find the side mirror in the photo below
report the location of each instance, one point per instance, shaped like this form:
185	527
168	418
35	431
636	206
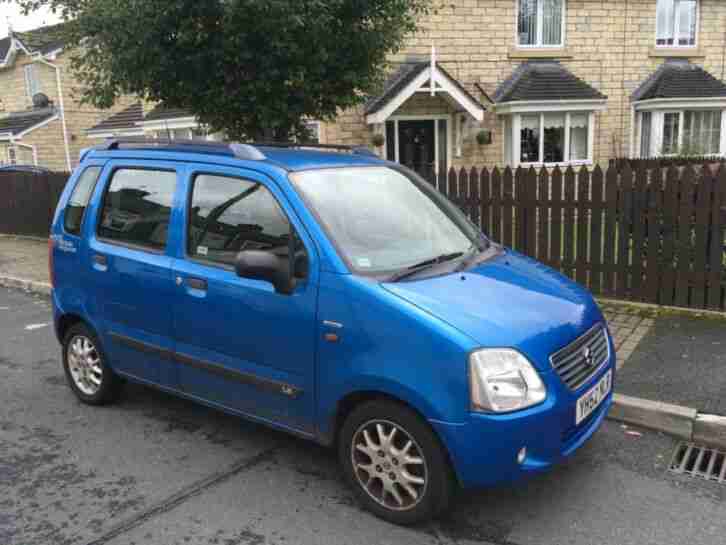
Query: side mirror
260	265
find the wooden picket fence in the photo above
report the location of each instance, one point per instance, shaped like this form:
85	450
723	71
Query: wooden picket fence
28	201
652	235
655	236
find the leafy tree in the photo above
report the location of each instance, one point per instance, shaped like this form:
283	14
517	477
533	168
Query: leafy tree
250	68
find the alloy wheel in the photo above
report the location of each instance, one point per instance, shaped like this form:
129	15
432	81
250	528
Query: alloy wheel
389	465
84	364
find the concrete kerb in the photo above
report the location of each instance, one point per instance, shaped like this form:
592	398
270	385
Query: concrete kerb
39	288
682	422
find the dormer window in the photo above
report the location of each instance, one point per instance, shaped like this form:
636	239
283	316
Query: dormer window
676	23
541	23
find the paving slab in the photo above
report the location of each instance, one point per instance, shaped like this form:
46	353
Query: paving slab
681	360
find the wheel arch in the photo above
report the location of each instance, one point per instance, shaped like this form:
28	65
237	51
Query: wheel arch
356	398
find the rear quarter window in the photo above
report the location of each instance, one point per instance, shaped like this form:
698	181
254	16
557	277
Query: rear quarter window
76	207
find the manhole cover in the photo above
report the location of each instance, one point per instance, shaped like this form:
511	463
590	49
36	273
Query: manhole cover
697	461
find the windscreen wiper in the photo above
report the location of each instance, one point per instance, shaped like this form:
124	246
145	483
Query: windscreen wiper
416	267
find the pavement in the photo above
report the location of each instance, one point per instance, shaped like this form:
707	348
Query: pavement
22	257
680	360
153	469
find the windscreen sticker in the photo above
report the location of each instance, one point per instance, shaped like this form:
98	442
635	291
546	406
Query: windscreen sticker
202	250
364	262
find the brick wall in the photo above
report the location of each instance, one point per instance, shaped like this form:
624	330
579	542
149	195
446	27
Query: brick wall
608	43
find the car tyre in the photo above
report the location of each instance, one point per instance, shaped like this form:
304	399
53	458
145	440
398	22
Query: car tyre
86	367
395	463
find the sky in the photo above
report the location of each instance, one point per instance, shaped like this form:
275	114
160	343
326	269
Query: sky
11	11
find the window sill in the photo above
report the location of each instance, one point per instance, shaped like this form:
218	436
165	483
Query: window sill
539	53
584	163
676	52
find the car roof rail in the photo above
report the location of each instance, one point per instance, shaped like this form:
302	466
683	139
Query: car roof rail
232	149
356	150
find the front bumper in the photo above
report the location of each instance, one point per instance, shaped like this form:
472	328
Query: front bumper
484	449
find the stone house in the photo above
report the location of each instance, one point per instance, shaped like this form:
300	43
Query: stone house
42	121
483	83
532	82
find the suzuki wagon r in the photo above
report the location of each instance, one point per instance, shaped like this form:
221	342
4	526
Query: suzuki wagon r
332	295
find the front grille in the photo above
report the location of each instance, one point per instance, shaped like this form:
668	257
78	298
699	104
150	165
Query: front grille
577	362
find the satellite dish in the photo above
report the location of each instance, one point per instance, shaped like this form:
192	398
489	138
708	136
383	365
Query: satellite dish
40	100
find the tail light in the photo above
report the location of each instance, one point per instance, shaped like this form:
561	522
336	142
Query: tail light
50	262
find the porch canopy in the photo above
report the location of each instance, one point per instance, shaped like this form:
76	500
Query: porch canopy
420	77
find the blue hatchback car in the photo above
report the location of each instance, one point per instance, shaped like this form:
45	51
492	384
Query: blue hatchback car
332	295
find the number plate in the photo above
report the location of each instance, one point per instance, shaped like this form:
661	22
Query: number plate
591	399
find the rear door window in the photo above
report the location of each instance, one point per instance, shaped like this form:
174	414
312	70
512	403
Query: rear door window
137	208
76	207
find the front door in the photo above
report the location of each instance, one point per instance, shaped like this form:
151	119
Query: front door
239	343
417	145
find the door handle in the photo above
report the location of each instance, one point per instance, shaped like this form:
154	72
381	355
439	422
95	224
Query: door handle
197	284
100	262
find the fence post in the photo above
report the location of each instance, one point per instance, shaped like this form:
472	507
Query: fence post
583	211
568	237
540	212
625	224
717	261
654	208
685	227
485	197
596	224
670	232
497	206
556	213
474	198
703	212
610	238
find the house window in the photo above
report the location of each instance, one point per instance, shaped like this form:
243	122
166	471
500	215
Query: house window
313	128
13	155
676	22
540	23
671	131
554	137
645	130
32	85
680	132
701	132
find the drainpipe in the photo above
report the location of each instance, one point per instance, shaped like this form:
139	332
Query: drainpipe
62	109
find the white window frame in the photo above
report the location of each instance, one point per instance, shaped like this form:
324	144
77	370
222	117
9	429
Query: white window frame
516	147
676	28
318	126
540	26
656	128
32	83
12	155
435	118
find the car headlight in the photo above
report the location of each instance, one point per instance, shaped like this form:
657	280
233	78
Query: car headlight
502	380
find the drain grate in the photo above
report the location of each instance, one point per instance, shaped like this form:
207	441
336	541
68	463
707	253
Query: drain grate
697	461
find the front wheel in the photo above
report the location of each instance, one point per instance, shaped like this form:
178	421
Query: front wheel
395	463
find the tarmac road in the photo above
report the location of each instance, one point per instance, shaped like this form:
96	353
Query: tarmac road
154	469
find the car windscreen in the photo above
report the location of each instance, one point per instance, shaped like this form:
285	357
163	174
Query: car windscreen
382	219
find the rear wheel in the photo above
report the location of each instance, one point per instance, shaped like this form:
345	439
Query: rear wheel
395	463
85	365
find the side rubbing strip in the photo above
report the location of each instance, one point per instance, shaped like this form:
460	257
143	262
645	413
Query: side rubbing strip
264	384
267	385
142	346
